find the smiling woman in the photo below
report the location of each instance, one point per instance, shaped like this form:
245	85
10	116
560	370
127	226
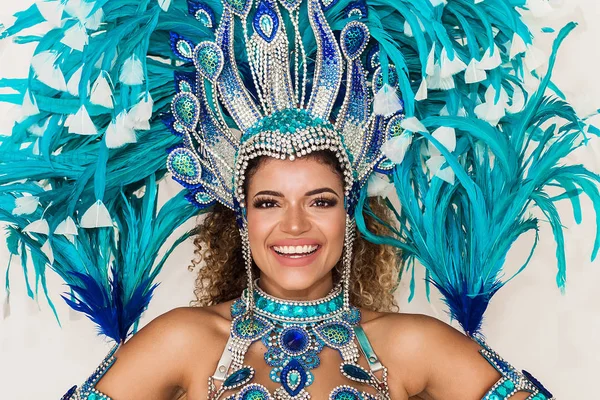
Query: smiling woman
330	143
220	270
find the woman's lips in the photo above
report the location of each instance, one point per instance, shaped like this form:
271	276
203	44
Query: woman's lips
296	260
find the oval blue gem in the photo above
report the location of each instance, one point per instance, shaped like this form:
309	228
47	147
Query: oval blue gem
239	377
356	372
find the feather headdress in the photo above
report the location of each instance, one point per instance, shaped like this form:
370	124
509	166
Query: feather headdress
470	152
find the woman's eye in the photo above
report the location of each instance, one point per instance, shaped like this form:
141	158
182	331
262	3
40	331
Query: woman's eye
264	204
325	203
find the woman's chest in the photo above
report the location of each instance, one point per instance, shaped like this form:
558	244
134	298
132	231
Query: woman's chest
328	374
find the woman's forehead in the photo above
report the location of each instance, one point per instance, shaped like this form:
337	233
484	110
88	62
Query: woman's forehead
296	175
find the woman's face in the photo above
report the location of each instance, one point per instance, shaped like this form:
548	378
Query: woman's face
296	223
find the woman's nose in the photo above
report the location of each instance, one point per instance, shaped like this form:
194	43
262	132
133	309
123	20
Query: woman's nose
295	221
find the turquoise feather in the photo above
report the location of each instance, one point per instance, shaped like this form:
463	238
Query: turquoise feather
501	173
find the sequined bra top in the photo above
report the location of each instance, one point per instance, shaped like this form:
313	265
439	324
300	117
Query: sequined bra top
294	333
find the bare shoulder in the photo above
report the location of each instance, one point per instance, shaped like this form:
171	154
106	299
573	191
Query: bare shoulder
429	358
165	354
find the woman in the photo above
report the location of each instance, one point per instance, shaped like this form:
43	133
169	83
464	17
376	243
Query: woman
297	203
287	115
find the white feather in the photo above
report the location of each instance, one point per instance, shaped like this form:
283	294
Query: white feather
29	106
25	205
74	81
518	100
412	124
46	70
39	129
97	216
386	101
434	163
66	227
475	73
132	71
422	92
436	81
449	67
164	4
47	250
395	148
490	112
94	22
140	114
517	46
446	136
38	226
119	132
102	93
52	11
490	61
379	185
82	124
76	37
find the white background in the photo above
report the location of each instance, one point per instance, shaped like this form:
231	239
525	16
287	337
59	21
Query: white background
529	322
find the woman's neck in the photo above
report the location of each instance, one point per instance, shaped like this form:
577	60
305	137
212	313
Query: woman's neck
318	290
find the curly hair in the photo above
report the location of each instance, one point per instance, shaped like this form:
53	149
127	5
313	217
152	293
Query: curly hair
375	268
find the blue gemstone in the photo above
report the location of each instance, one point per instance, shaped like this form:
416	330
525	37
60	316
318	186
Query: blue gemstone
356	372
295	340
295	374
239	377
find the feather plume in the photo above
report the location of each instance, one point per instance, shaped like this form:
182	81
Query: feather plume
500	170
82	124
46	70
132	71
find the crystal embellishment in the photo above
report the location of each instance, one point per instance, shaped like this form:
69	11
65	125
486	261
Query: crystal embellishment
266	21
208	60
294	340
293	377
186	110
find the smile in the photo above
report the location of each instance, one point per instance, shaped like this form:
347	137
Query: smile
296	251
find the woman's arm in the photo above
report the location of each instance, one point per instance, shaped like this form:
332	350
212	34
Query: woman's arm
456	368
152	365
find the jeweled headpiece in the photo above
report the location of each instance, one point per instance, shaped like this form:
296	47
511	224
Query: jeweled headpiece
269	104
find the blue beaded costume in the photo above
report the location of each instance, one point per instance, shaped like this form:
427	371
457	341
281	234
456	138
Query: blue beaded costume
424	97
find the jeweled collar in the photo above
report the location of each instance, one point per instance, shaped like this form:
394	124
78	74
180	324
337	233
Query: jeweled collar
297	311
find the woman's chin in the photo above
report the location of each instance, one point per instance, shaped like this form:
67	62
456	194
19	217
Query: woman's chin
295	281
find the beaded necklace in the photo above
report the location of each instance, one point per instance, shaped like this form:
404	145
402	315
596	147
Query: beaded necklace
295	333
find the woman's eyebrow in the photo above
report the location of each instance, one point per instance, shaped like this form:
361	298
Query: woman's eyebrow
321	190
309	193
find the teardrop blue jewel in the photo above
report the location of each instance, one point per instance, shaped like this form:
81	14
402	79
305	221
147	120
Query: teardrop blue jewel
181	46
293	377
208	60
186	110
266	21
355	373
354	39
239	378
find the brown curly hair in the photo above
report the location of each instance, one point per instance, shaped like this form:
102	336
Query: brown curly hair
375	268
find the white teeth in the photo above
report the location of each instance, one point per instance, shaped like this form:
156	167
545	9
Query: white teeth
295	249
